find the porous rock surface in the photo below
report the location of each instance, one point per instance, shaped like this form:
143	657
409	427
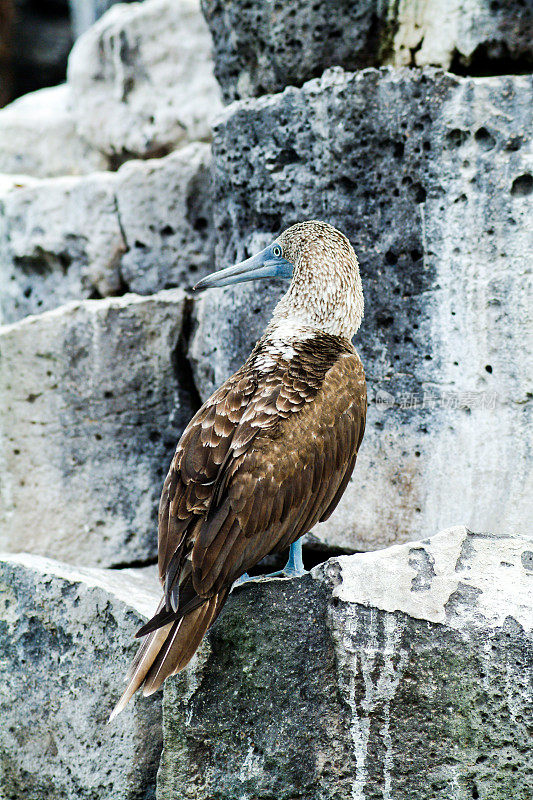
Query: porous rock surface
60	239
403	673
165	211
92	403
144	228
429	176
262	47
66	638
142	79
38	137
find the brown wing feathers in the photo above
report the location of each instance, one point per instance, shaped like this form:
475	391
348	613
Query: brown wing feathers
256	468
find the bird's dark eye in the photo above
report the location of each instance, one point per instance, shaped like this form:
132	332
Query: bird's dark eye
276	250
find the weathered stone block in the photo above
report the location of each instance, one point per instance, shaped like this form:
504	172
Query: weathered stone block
91	408
144	228
165	211
262	47
428	175
65	641
402	673
38	137
84	13
60	239
475	37
142	79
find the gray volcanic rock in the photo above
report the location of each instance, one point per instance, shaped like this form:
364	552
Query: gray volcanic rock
428	175
38	137
66	637
404	673
262	47
165	211
60	239
142	79
146	227
92	403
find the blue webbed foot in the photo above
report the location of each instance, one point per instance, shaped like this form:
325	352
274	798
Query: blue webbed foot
243	579
294	568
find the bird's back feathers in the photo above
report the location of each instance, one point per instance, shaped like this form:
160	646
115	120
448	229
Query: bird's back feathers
265	458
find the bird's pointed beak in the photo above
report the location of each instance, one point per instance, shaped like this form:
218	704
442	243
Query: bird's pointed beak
265	264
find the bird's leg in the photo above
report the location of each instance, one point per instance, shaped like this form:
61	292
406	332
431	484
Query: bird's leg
295	564
294	567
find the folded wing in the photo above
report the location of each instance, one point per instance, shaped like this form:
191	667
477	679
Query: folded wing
265	459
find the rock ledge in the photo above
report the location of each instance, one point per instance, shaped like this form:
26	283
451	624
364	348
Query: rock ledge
402	673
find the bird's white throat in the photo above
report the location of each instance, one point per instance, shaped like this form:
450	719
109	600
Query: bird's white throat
302	313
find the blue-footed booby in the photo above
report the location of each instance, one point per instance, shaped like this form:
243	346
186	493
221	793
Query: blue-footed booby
269	455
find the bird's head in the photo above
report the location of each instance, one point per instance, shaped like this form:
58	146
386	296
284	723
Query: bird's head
325	293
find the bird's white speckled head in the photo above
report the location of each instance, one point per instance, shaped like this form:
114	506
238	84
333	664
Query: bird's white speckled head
326	293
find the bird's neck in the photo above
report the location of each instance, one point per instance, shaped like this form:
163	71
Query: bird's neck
286	339
288	329
299	316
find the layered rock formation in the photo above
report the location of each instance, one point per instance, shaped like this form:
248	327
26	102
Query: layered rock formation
429	177
144	228
130	93
262	47
401	673
142	79
92	404
392	674
426	172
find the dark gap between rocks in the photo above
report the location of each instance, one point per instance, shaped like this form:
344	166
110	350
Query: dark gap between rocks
121	289
489	60
135	563
116	160
187	389
274	561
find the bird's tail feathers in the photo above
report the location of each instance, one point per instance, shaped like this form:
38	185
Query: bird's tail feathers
141	665
168	649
